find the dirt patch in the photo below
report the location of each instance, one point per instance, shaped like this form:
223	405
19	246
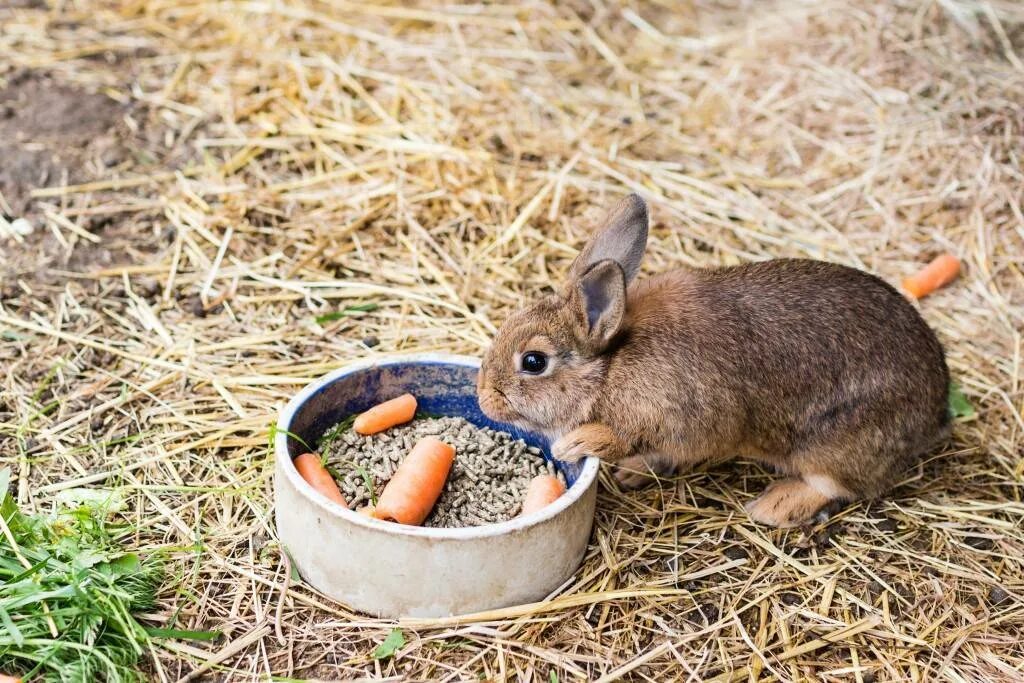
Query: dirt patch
22	4
54	133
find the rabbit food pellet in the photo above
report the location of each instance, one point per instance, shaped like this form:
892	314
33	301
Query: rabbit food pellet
487	483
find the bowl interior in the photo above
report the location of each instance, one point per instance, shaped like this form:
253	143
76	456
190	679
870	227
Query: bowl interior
440	387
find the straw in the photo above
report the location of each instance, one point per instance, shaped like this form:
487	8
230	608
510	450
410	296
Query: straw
444	162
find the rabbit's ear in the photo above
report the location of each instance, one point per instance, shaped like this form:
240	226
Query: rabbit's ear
599	297
622	238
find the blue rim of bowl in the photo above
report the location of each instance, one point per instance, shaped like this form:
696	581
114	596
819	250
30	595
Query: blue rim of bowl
585	479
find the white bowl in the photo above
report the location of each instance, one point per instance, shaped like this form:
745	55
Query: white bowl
393	570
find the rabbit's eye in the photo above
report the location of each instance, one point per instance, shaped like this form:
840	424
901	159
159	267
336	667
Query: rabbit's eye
534	362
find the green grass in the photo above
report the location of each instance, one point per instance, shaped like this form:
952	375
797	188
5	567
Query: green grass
329	437
272	433
390	645
332	434
67	594
345	312
959	405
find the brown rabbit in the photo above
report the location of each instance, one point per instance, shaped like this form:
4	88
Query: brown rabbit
823	371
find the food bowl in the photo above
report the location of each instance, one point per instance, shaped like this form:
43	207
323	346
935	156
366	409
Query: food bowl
392	570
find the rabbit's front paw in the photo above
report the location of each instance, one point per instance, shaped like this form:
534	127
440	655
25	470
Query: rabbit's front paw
590	439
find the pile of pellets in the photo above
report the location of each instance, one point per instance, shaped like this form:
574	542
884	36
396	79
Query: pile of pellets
487	482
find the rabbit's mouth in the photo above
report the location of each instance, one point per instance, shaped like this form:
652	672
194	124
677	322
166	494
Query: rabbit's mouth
496	406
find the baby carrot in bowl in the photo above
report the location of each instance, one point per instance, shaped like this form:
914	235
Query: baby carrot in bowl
387	414
939	273
416	485
309	466
542	491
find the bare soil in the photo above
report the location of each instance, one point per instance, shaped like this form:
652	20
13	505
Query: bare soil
56	134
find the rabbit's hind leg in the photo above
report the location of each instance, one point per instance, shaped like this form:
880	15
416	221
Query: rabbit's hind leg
793	501
856	454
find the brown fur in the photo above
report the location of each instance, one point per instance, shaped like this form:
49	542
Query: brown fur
823	371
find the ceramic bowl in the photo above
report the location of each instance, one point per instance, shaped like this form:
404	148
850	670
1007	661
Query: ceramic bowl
394	570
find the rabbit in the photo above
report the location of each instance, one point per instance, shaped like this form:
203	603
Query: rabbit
820	370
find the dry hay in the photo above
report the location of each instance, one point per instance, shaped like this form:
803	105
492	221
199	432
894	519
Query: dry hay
444	163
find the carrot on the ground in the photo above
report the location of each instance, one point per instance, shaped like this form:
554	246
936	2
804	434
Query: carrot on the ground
542	491
387	414
313	471
939	273
416	485
9	679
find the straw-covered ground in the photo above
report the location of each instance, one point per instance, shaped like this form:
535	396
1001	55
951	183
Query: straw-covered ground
212	178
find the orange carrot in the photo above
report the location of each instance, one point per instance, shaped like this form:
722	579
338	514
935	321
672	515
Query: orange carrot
309	466
9	679
939	273
416	485
542	491
386	414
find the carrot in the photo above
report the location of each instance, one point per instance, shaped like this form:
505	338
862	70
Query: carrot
386	414
366	510
309	466
9	679
939	273
542	491
415	486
